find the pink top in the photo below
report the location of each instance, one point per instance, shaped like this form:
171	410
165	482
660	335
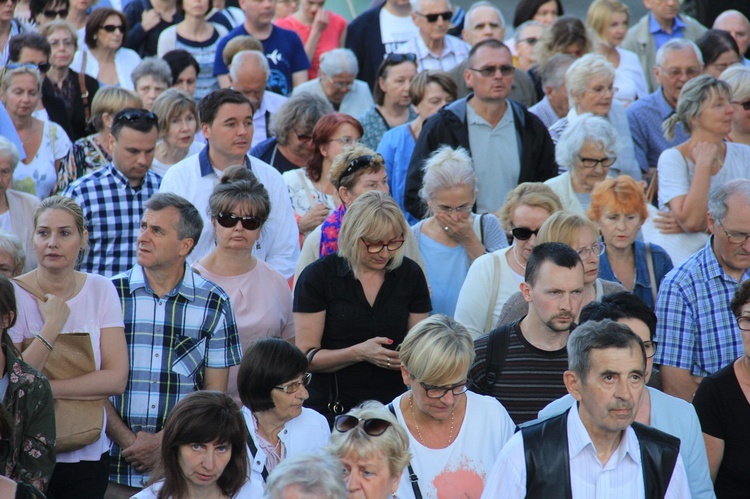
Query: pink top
329	39
262	305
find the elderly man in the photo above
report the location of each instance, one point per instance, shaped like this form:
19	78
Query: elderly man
594	449
248	74
434	47
736	24
526	37
484	21
555	104
337	84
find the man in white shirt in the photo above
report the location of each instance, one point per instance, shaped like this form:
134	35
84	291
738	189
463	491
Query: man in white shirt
595	449
227	123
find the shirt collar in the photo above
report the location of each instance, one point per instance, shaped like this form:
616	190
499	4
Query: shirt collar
473	118
205	162
712	265
423	49
579	441
665	110
186	286
122	179
655	27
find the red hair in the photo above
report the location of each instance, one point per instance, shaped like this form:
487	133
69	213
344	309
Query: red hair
621	194
326	127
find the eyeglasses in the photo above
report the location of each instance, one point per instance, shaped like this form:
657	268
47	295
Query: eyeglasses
230	220
42	67
341	85
134	115
346	141
360	162
530	40
596	249
601	89
743	322
650	347
394	58
373	426
111	28
54	13
432	18
490	71
523	233
690	73
294	385
458	209
734	237
392	245
302	137
438	392
61	43
745	105
594	162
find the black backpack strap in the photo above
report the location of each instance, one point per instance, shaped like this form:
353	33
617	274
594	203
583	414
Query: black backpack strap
413	478
497	350
253	453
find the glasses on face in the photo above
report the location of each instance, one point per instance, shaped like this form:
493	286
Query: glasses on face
490	71
294	385
373	426
438	392
745	105
734	237
63	13
61	43
340	85
392	245
675	73
530	40
111	28
42	67
302	137
523	233
135	116
432	18
596	249
394	58
230	220
743	323
346	141
650	347
457	209
594	162
602	89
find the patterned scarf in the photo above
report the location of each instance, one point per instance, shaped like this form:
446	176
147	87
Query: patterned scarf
329	231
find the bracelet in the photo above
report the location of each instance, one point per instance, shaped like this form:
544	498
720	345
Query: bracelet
44	341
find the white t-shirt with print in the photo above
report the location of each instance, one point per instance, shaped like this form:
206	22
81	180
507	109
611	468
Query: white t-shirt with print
395	30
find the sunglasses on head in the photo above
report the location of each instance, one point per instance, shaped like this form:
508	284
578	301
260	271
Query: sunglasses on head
135	115
360	162
229	221
42	67
394	58
373	427
523	233
111	28
432	18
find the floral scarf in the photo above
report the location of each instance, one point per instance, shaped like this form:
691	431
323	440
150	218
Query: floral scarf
329	231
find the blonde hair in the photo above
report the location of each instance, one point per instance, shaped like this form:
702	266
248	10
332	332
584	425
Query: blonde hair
59	25
696	93
564	227
738	79
171	103
110	100
600	14
341	162
534	194
9	74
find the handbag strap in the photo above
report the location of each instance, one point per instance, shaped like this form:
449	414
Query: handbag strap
84	90
254	452
493	297
651	273
31	290
413	478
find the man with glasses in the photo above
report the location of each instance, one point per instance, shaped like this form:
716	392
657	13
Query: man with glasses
522	363
113	198
697	331
508	144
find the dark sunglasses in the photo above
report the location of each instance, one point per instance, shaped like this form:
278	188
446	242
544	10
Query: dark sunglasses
432	18
523	233
359	163
54	13
111	28
491	71
745	105
229	221
373	427
394	58
302	137
42	67
134	116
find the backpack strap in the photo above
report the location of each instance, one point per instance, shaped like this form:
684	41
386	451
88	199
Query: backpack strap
84	90
497	351
413	478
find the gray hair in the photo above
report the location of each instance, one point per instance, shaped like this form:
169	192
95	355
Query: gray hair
338	61
417	4
718	196
9	150
693	96
447	168
315	475
599	335
583	70
523	26
738	79
585	128
11	244
301	111
190	224
676	45
156	68
483	3
553	73
244	57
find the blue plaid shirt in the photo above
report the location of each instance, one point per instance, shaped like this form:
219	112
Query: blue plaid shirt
170	342
113	210
696	329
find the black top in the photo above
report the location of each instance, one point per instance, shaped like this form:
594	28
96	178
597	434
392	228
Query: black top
144	42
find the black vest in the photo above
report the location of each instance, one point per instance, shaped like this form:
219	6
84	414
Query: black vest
548	461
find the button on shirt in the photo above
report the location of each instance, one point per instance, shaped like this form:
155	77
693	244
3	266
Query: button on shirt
455	51
660	36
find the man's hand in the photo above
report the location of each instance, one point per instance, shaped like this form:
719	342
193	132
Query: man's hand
144	453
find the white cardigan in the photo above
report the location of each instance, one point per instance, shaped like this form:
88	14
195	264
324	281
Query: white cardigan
125	62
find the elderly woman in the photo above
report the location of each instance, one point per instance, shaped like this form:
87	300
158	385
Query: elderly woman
178	122
587	149
391	95
738	79
312	476
373	448
449	427
337	84
618	207
719	51
609	19
16	208
722	404
45	142
590	85
494	277
272	384
352	309
582	235
429	91
74	89
184	69
151	78
452	237
104	57
12	255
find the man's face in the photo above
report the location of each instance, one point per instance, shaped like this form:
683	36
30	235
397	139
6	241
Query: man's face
664	11
495	87
558	99
434	30
526	46
259	12
231	132
33	56
738	27
159	247
731	251
133	152
678	68
483	24
555	297
251	82
336	87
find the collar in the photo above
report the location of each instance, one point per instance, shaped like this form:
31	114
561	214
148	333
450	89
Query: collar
655	27
641	271
122	180
713	268
473	118
423	49
579	441
665	110
186	286
205	162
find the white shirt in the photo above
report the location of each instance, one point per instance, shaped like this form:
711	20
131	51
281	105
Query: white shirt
454	52
270	104
621	477
395	30
125	62
355	102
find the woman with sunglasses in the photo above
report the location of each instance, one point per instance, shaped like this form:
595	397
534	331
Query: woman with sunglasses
261	300
391	94
738	79
373	448
352	309
272	381
449	427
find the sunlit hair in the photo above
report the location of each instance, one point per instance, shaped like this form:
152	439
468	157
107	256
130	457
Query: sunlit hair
738	79
565	32
719	196
156	68
247	61
580	74
312	475
393	444
110	100
325	128
169	105
341	162
437	351
564	227
694	97
600	15
49	28
8	75
373	216
534	194
447	168
338	61
581	129
619	195
418	86
240	44
239	189
65	204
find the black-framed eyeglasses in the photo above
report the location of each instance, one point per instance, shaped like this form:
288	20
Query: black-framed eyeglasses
373	426
438	392
743	322
490	71
650	347
432	18
360	162
523	233
394	58
745	105
594	162
302	137
294	385
135	115
111	28
392	245
54	13
596	249
229	220
42	67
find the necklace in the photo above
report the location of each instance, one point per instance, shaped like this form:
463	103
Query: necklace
416	425
70	295
515	257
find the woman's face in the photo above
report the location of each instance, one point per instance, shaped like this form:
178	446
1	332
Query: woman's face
181	131
615	32
8	266
441	408
149	88
187	80
396	84
7	10
63	48
618	229
590	258
529	217
741	118
597	97
716	116
345	137
288	406
57	241
454	202
203	464
236	237
22	96
195	8
435	97
6	175
110	40
369	478
725	60
366	182
546	13
585	178
377	261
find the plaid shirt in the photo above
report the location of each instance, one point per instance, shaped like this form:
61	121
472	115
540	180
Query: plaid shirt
171	340
696	329
113	211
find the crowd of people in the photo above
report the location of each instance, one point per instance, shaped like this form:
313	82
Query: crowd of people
263	251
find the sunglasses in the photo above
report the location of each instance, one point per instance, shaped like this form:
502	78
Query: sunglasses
394	58
373	427
54	13
294	385
42	67
432	18
302	137
745	105
360	162
490	71
111	28
229	221
523	233
134	116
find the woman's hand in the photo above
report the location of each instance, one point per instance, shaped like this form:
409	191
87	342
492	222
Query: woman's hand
320	21
375	353
55	312
316	216
461	231
666	223
706	155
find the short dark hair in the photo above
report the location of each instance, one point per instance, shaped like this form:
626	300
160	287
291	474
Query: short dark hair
30	40
526	10
209	105
178	61
620	305
559	254
97	18
741	296
377	93
267	362
36	7
598	335
190	224
490	43
141	125
714	42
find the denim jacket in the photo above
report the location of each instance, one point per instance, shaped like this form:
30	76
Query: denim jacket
642	289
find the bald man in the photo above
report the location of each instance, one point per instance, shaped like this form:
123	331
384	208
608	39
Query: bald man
738	26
